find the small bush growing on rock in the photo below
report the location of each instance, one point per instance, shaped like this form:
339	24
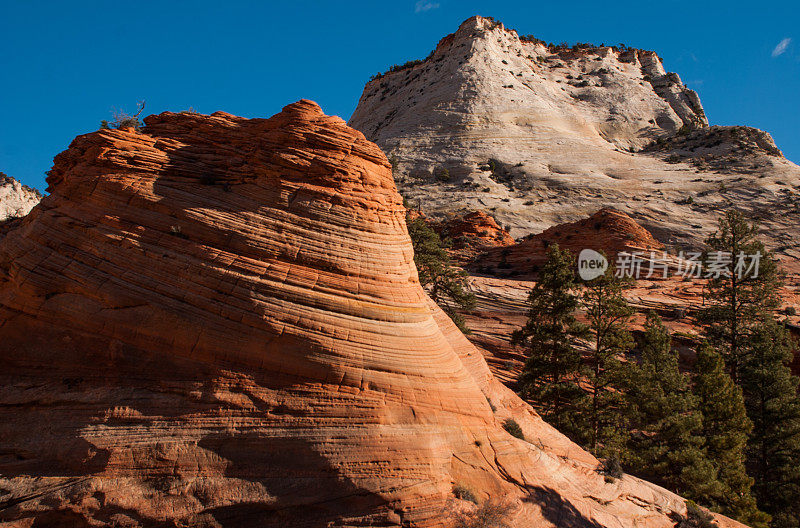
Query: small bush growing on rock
443	175
790	310
611	469
464	493
176	231
531	38
513	428
123	119
696	517
490	514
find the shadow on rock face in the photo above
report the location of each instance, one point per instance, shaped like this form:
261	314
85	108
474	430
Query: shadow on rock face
91	440
301	487
557	510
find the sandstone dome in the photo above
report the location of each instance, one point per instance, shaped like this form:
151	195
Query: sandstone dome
216	321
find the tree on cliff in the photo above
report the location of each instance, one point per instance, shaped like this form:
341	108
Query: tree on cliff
608	313
446	284
665	444
773	451
725	428
744	286
551	375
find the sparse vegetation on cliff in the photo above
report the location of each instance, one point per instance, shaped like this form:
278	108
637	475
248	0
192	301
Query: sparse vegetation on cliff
398	67
513	428
490	514
122	119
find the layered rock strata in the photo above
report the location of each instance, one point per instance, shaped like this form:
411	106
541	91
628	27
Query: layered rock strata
216	321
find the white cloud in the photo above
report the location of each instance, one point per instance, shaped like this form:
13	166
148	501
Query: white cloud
423	6
780	49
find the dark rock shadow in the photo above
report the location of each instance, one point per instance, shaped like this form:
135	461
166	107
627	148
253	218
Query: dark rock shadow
558	510
46	406
302	487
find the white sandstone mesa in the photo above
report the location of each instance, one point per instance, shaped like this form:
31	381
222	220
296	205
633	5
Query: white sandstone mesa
541	135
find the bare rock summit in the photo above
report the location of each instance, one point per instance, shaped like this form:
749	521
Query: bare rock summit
543	134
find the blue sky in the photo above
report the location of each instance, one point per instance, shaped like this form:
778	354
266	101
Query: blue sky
65	65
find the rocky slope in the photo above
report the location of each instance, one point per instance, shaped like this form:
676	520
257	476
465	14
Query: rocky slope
607	230
542	135
217	322
16	200
471	234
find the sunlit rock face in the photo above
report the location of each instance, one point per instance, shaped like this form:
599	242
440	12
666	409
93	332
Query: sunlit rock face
216	321
543	135
16	200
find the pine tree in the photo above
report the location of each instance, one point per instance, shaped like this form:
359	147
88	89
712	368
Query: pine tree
773	452
725	428
739	296
551	375
608	312
445	283
666	444
741	321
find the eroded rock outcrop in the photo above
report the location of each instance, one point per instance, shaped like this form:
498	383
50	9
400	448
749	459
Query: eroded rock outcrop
471	234
607	230
733	149
16	200
478	227
217	322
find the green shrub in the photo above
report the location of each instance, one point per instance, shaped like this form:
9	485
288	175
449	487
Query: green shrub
513	428
696	517
443	175
611	468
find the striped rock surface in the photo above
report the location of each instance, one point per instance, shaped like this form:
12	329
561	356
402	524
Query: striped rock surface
217	322
608	230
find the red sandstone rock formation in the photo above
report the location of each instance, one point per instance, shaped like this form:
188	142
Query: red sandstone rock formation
478	228
608	230
217	322
471	234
